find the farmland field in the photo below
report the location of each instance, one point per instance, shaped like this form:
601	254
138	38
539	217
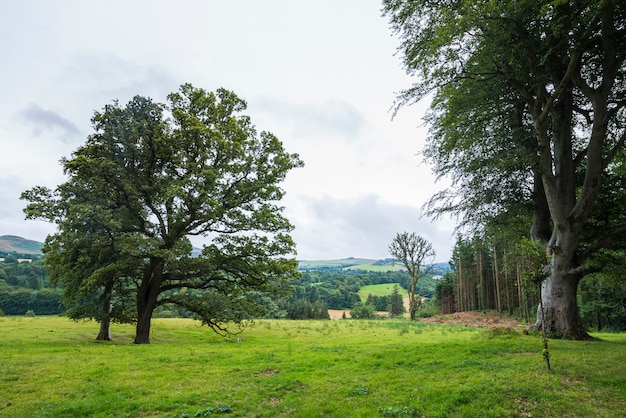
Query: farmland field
379	290
347	368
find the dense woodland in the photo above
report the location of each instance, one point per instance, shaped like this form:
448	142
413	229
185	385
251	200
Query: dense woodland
24	286
488	274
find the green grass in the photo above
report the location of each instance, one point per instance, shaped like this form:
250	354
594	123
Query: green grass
50	367
379	290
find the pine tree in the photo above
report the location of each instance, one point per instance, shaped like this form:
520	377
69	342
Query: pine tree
396	307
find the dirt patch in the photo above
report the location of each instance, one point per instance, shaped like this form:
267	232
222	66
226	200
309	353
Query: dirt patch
338	313
475	319
266	373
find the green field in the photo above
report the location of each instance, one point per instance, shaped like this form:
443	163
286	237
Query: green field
380	290
363	264
347	368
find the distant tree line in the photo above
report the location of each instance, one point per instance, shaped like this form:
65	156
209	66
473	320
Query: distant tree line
24	286
328	288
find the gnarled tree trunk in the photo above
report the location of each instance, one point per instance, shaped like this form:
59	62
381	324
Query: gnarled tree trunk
560	314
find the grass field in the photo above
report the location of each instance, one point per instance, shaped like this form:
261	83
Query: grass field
393	368
379	290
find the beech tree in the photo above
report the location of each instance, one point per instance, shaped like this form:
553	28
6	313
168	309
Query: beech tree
412	250
149	177
543	81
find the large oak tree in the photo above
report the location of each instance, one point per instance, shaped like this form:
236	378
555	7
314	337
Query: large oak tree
149	177
529	106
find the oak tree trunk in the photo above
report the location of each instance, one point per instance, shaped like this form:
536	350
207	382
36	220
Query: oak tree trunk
105	330
107	305
147	295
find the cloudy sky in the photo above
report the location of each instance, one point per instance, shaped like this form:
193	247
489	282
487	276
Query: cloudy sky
321	75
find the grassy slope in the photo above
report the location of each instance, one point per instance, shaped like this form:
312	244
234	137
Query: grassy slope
343	263
379	290
52	367
364	264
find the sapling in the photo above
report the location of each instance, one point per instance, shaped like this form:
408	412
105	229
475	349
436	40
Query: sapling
536	269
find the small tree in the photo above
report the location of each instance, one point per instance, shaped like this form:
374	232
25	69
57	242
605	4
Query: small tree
536	269
411	250
396	305
362	310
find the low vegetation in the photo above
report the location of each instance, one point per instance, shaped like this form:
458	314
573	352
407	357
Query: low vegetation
52	367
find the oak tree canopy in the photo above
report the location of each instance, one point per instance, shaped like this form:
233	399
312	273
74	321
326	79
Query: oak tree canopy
151	176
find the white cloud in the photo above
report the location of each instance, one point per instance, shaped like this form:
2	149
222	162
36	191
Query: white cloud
327	227
320	75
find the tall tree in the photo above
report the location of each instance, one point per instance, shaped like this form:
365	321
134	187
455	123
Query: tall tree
163	173
412	250
551	69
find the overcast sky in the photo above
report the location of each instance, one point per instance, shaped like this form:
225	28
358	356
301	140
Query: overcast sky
321	75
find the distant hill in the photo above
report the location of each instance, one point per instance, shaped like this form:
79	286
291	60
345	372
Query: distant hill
345	263
352	263
19	245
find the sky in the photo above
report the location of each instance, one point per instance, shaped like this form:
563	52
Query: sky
320	75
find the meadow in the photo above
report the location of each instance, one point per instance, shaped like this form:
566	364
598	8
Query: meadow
51	367
379	290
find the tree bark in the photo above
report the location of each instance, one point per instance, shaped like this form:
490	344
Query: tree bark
105	330
107	305
496	274
147	295
560	315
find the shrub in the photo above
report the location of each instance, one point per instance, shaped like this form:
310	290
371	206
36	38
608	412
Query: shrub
30	313
362	310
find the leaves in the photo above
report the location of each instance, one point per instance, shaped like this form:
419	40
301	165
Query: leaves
150	176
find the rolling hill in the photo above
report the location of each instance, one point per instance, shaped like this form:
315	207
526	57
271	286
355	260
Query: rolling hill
364	264
19	245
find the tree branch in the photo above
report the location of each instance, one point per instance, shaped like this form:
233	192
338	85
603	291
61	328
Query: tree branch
605	241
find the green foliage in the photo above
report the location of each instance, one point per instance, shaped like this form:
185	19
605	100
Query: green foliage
380	303
602	301
444	294
362	310
17	300
412	251
303	309
526	121
30	314
396	304
20	272
150	176
536	261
